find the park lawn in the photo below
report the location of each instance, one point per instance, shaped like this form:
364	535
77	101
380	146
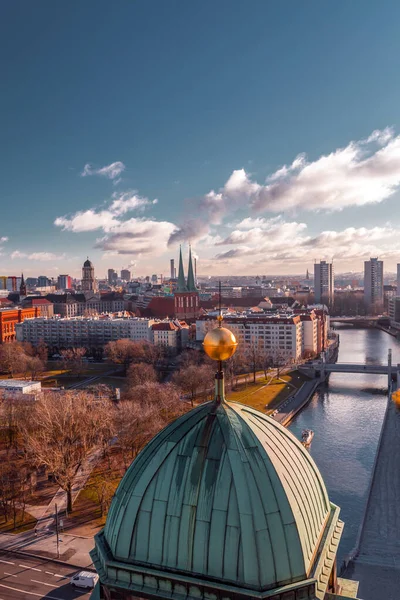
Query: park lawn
264	396
28	523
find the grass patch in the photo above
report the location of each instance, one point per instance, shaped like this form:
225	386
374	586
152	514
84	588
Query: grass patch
25	524
266	395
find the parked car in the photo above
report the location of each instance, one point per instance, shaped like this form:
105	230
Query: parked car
84	579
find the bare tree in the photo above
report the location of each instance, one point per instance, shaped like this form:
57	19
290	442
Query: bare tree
138	419
139	373
12	358
103	489
72	358
125	352
253	358
34	366
194	378
41	351
13	490
60	432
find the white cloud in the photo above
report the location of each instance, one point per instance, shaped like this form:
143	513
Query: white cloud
107	219
128	201
277	241
40	256
3	239
87	220
137	237
111	171
361	173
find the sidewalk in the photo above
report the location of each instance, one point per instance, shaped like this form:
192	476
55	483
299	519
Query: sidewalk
74	550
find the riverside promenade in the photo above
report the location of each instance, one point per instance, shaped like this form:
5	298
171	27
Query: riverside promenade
289	409
375	561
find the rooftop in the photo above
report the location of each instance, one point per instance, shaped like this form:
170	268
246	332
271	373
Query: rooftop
17	383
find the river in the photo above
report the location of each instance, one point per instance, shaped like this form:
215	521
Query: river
346	415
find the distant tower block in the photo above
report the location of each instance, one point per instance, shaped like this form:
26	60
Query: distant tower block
172	266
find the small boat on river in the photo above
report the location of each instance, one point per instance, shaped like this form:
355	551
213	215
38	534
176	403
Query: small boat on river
307	436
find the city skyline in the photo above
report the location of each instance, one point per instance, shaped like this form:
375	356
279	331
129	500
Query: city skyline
257	181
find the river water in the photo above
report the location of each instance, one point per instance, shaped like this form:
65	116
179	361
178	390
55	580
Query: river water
346	415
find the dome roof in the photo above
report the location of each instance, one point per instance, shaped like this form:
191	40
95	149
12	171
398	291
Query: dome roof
224	493
87	263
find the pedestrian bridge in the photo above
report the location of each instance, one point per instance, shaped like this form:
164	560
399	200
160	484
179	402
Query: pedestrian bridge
352	368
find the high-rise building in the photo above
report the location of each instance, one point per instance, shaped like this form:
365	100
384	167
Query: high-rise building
64	282
126	275
324	284
154	278
88	280
43	281
172	265
398	279
110	276
373	283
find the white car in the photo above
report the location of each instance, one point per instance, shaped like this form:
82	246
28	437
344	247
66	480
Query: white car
84	579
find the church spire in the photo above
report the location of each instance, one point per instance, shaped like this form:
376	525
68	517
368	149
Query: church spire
191	284
22	287
181	287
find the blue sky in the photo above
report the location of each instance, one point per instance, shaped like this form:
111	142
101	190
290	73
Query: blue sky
199	105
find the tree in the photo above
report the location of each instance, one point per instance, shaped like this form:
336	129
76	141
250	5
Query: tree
33	365
59	433
139	418
13	490
12	358
194	378
139	373
73	359
104	490
125	352
41	351
253	358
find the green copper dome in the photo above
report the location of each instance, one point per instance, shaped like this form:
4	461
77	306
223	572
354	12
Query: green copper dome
223	494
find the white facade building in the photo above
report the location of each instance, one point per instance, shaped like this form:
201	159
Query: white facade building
277	336
17	389
83	331
310	333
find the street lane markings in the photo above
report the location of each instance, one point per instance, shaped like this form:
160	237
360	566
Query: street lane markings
49	573
7	562
61	576
8	587
10	574
32	568
43	583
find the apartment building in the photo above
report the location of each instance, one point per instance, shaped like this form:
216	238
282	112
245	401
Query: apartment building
87	332
278	335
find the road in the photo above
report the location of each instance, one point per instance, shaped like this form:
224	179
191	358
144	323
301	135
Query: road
23	578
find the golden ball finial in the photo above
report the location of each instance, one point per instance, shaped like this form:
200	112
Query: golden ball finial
220	344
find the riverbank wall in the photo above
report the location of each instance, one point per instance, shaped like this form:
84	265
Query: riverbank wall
292	406
286	412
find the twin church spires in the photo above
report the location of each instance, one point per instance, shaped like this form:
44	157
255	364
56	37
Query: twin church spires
187	305
190	284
